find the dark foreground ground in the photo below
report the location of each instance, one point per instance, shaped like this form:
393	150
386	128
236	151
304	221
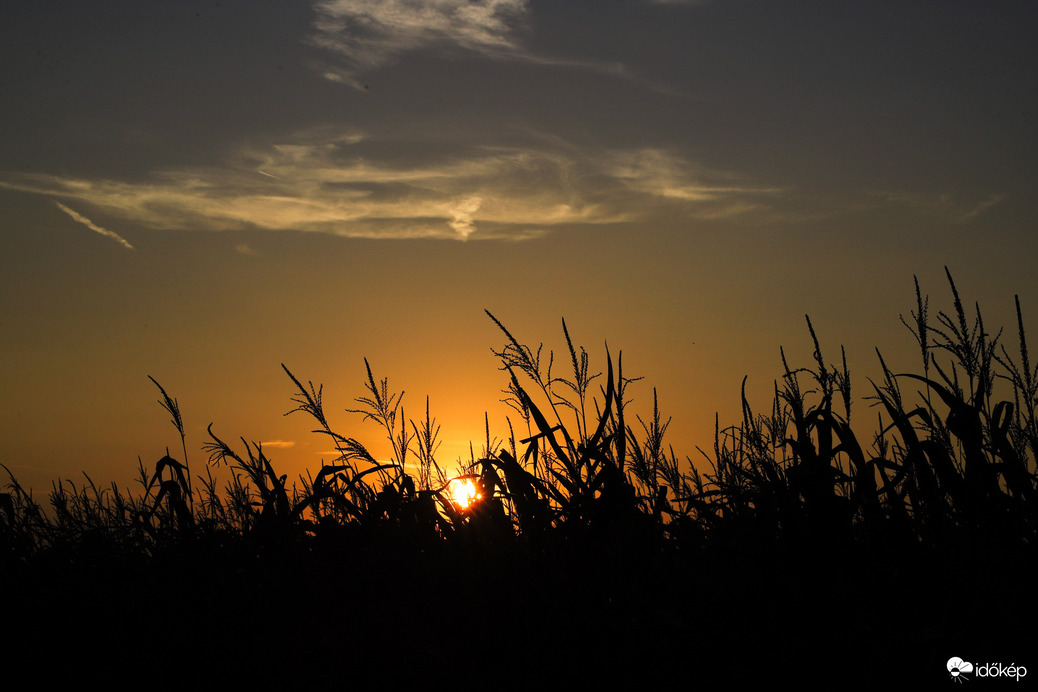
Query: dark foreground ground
363	612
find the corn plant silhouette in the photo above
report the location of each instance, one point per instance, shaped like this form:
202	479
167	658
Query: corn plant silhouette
588	525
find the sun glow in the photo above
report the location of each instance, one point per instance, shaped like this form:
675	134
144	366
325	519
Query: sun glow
464	493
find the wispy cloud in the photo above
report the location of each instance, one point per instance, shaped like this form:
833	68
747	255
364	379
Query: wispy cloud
94	227
461	215
279	444
945	205
369	34
660	173
323	184
365	35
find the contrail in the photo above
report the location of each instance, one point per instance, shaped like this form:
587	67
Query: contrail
94	227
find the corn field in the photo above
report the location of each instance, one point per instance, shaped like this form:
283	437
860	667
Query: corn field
584	548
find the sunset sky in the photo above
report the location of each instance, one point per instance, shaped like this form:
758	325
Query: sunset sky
200	191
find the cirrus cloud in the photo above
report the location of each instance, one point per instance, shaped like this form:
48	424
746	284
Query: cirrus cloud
369	34
324	183
79	218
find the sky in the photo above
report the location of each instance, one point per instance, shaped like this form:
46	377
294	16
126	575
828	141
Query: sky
202	191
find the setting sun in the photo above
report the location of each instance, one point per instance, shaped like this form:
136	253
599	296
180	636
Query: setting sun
464	493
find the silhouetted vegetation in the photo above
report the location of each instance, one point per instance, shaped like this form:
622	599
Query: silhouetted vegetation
791	546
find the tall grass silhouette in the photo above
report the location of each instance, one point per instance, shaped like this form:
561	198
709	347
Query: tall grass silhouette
790	538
